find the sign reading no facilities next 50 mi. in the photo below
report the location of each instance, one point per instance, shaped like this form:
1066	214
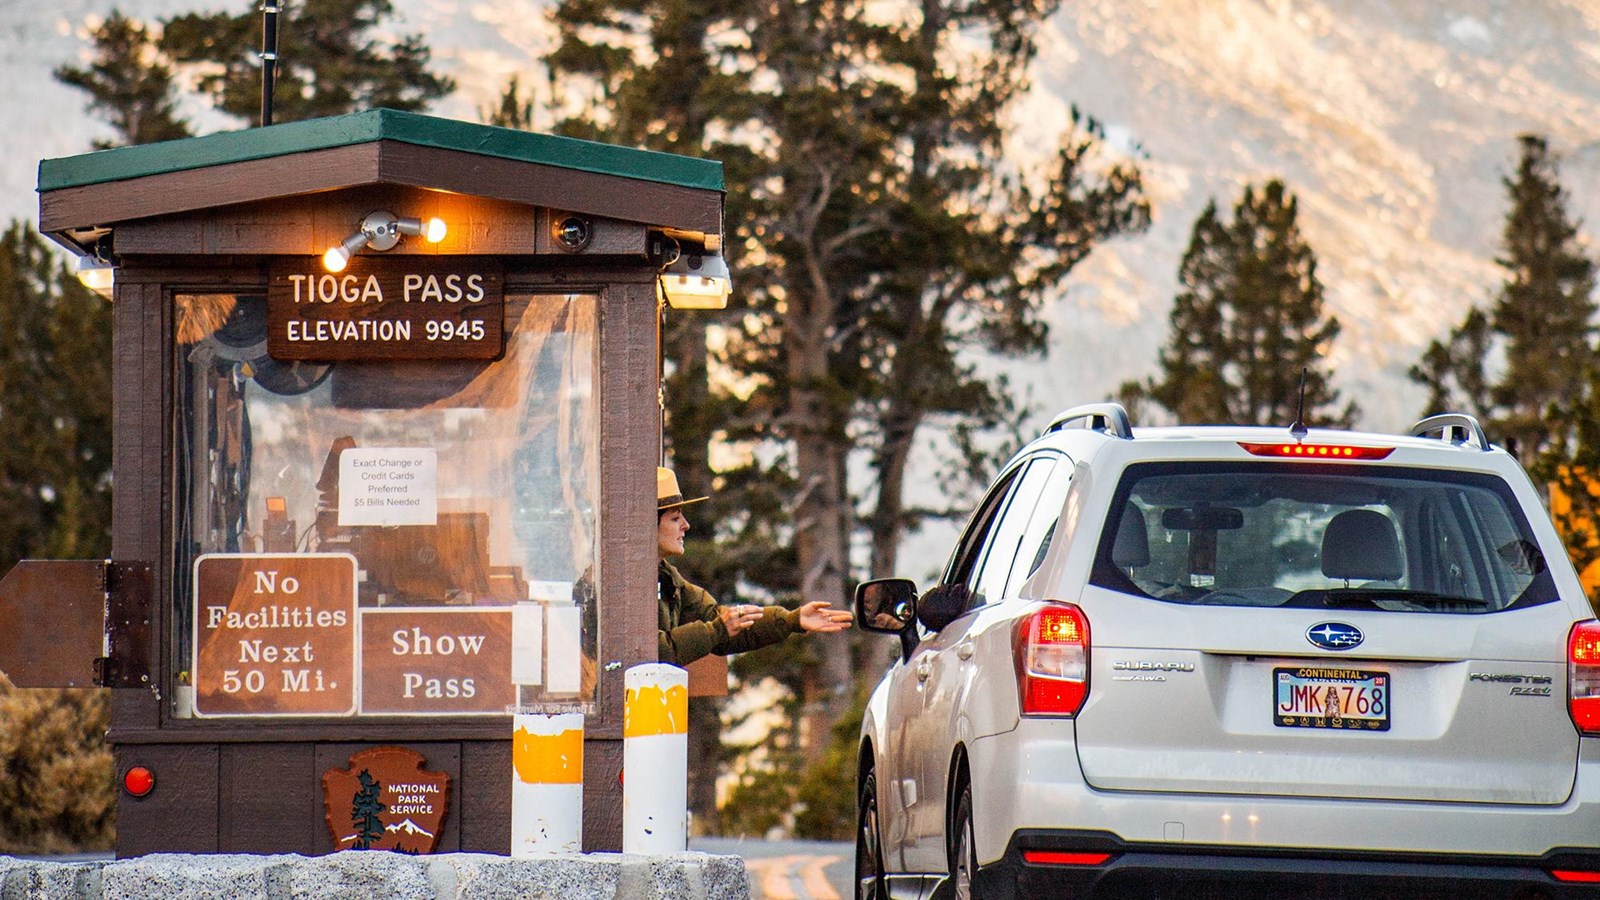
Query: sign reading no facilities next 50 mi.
275	634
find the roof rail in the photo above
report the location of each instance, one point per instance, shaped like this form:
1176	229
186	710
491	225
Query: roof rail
1456	428
1110	418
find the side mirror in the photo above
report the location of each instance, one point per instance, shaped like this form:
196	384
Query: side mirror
942	605
887	605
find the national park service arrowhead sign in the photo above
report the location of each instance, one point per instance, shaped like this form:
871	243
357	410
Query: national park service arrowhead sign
385	801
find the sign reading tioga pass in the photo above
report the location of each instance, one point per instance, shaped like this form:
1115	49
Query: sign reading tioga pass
403	307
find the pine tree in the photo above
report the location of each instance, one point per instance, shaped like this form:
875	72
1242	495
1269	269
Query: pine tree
1248	323
330	60
128	84
872	245
55	406
1545	312
1542	321
513	111
1453	371
365	808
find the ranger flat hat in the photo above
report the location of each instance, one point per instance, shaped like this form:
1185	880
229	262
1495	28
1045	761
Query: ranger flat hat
668	495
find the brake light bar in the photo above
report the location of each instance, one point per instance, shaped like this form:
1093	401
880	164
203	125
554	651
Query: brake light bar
1570	875
1052	658
1583	676
1316	451
1061	858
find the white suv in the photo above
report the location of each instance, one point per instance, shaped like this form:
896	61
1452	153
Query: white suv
1239	662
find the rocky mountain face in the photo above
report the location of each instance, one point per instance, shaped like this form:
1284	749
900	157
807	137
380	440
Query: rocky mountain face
1391	120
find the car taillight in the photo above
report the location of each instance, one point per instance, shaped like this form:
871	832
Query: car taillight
1583	676
1052	655
1316	451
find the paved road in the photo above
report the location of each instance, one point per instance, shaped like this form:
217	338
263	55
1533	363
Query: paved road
789	870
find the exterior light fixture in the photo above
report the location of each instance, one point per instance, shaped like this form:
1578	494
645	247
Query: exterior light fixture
381	231
96	274
696	281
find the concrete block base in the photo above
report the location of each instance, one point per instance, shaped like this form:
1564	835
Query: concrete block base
355	873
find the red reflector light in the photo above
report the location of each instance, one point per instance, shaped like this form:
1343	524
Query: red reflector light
1059	858
138	781
1583	676
1052	657
1316	451
1571	875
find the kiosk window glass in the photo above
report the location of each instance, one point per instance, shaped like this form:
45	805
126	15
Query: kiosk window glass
394	537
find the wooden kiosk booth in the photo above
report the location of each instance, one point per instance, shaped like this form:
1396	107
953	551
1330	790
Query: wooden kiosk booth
386	420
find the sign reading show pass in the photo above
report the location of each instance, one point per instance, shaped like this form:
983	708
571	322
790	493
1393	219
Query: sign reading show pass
389	486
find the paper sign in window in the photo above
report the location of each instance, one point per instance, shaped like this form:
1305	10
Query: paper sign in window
388	486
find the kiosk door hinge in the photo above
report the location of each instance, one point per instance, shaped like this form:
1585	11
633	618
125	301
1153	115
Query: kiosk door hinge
129	588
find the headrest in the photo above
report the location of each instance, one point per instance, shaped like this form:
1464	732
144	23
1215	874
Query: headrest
1132	546
1361	544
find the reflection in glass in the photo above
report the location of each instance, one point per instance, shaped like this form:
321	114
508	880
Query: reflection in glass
492	481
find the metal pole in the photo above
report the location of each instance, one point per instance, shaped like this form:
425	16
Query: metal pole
269	55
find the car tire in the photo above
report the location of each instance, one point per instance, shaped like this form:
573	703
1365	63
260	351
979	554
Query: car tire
870	883
963	851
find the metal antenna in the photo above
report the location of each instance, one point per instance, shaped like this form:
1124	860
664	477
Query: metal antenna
269	55
1299	429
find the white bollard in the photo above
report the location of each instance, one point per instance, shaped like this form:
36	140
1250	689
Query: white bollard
546	785
655	760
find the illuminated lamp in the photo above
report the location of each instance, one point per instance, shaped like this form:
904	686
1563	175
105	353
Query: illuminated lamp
382	231
1295	450
96	274
696	281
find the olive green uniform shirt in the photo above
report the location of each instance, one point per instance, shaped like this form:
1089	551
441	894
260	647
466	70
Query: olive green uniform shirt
690	627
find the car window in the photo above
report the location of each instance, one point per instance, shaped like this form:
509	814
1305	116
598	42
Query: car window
1330	536
1041	526
988	579
969	550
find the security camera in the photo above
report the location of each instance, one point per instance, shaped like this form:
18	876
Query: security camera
573	233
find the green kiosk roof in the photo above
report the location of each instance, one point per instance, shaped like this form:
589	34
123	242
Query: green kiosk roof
377	125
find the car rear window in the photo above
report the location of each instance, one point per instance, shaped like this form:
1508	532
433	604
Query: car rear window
1325	536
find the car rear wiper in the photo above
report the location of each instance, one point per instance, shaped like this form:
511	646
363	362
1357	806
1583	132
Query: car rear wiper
1376	598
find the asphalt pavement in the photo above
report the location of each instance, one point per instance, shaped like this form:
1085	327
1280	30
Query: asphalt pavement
789	870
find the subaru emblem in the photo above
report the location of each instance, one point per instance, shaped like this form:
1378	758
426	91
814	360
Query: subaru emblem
1334	635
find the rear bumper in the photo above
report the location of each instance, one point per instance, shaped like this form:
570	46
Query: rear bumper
1029	780
1146	871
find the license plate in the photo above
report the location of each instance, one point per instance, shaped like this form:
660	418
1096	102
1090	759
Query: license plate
1326	697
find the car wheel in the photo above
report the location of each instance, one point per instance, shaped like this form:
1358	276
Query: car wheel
963	852
869	844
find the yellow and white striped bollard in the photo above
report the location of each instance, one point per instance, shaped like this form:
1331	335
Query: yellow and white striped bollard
547	785
655	759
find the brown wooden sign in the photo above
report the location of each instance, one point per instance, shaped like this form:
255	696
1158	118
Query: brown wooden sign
385	800
275	634
403	307
433	661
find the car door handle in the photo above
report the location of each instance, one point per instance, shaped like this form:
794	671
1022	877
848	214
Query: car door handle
924	669
965	649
